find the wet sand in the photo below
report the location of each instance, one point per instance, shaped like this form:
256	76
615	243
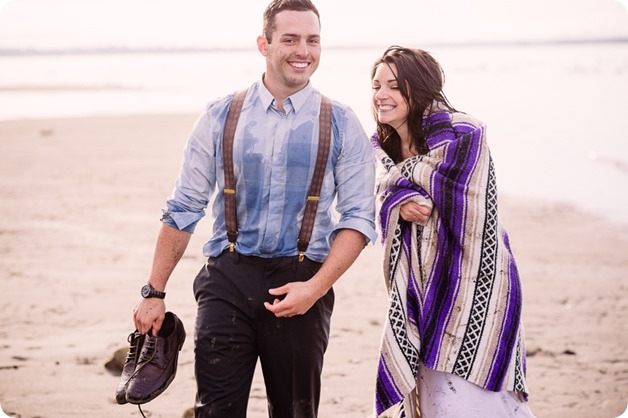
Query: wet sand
81	201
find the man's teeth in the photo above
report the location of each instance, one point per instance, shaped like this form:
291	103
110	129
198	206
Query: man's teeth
299	64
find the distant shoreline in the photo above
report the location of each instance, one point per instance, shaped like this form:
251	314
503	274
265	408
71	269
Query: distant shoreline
176	50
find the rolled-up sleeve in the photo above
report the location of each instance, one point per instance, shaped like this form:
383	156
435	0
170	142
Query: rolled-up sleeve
355	179
196	181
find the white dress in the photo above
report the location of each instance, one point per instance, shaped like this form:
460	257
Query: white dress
444	395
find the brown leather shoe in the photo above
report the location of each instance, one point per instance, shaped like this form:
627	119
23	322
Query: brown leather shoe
135	346
157	363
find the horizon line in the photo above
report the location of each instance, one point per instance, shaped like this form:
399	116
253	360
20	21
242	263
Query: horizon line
187	49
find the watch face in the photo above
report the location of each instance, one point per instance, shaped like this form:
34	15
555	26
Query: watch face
145	291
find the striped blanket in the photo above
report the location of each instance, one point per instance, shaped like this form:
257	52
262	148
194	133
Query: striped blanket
454	291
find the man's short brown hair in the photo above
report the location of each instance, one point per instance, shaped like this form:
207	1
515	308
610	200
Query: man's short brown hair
277	6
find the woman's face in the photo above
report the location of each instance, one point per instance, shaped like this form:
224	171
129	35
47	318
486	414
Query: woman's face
390	106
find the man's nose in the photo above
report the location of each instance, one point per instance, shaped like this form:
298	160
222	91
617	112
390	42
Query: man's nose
302	48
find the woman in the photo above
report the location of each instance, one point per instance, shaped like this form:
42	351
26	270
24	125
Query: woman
453	339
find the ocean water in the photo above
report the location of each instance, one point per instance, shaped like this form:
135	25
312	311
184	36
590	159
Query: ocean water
557	114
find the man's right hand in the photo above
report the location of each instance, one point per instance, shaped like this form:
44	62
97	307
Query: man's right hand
149	313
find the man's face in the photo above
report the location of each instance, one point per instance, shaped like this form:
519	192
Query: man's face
293	53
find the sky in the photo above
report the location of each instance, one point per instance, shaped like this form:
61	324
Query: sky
61	24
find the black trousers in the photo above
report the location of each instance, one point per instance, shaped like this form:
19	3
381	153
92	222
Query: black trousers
234	329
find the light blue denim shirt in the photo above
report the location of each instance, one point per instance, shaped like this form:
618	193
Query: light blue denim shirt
273	157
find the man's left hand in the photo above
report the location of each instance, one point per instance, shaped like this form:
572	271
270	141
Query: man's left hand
299	297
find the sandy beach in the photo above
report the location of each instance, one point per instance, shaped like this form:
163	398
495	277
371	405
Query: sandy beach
81	202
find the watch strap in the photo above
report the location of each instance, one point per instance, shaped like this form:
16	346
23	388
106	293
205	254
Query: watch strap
148	291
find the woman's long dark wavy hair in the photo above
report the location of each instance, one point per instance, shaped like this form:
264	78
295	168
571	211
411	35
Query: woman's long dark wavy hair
420	79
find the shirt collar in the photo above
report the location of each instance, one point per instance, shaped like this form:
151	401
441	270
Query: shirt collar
297	100
265	97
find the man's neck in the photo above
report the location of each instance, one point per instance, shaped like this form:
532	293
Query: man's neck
280	92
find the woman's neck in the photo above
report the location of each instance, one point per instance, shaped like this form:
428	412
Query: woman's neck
408	148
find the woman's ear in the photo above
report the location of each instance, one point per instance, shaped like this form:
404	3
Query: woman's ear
262	45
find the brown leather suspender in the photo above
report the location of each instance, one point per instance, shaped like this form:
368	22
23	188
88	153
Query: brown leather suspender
227	156
311	205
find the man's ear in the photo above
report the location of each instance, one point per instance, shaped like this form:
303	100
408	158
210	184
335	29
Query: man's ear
262	45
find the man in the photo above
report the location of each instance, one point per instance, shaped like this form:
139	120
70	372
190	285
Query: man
262	300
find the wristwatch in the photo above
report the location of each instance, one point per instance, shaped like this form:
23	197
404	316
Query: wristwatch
149	291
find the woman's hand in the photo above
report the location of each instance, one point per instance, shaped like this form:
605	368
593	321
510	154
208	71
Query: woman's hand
413	212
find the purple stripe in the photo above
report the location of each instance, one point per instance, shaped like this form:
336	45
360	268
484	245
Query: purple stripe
387	393
452	176
510	327
412	307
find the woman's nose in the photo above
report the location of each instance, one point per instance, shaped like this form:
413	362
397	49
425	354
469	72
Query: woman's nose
381	94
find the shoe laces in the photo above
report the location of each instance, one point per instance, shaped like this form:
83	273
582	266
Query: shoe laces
133	346
141	412
149	343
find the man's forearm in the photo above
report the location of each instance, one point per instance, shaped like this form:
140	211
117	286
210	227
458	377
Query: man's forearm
171	244
344	251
